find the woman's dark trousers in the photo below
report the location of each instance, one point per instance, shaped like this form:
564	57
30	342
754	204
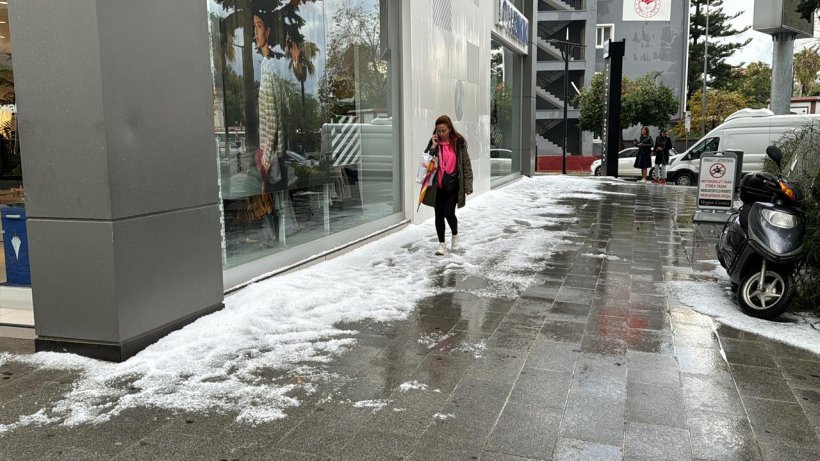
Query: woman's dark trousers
446	209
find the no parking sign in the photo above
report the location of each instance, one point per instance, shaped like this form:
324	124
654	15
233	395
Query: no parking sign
716	185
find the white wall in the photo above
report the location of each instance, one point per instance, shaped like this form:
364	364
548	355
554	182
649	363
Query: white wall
433	61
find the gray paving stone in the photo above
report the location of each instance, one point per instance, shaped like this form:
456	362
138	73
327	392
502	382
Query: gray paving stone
555	356
542	389
658	405
488	455
715	393
594	418
474	406
656	369
697	360
762	383
803	374
327	430
579	450
526	431
653	342
809	400
650	442
720	436
780	419
562	331
743	352
777	448
377	445
497	364
513	337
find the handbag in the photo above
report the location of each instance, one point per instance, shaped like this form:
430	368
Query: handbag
449	182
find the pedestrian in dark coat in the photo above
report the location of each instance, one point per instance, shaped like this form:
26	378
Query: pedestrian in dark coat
453	179
644	158
662	147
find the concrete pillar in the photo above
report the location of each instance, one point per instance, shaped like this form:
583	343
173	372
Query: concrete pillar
782	76
528	98
116	127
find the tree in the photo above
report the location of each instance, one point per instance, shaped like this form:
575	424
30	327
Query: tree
754	82
806	67
590	103
356	65
648	102
719	105
806	8
303	66
644	101
720	26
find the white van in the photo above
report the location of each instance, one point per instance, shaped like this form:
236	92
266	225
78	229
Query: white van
747	130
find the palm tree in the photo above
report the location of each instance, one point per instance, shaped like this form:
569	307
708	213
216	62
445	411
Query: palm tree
303	65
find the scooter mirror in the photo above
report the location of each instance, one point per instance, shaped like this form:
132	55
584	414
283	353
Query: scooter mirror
775	154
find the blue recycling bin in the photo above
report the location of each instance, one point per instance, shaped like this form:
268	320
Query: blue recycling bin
15	244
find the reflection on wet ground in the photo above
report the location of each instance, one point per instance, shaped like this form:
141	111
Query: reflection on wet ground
593	361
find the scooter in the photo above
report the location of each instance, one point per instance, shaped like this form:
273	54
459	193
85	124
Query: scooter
761	246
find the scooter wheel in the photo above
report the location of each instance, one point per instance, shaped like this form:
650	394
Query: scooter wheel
768	299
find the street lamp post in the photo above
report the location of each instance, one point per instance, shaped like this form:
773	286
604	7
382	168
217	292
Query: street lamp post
566	48
705	70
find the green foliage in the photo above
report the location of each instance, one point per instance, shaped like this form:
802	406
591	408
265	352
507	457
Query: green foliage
806	8
234	98
644	101
356	65
754	83
719	105
647	101
591	103
721	45
806	67
801	163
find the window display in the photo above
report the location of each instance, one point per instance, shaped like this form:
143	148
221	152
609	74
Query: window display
304	117
505	158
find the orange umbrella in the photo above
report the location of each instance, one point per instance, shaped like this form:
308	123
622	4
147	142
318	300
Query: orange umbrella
428	180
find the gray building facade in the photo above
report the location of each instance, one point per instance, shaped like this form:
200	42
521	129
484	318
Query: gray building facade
650	46
175	152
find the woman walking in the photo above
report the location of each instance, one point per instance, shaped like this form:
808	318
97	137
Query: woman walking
644	158
453	179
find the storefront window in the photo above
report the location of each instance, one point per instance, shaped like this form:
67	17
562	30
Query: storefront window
305	122
11	173
505	157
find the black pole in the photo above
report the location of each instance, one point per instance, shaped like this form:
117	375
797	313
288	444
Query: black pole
565	52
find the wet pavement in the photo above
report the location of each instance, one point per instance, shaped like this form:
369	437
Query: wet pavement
593	361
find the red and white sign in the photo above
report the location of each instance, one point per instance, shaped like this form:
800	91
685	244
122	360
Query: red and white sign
648	10
716	186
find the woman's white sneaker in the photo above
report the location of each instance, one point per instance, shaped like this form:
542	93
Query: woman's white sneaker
440	250
456	243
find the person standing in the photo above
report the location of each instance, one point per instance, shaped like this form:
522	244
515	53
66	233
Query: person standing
453	179
644	158
662	147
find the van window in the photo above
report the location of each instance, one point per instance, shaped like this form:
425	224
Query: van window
705	145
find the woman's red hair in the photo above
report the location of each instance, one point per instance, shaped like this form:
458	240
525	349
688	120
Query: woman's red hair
455	136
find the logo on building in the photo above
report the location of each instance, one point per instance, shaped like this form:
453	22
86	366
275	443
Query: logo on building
647	8
512	22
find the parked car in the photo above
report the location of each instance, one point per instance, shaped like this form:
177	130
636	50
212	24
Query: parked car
500	162
626	158
747	130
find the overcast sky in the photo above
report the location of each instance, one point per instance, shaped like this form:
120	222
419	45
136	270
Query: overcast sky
760	48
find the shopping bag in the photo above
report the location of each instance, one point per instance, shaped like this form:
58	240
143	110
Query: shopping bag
427	163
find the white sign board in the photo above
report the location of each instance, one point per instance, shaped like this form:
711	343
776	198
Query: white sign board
688	121
716	186
648	10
